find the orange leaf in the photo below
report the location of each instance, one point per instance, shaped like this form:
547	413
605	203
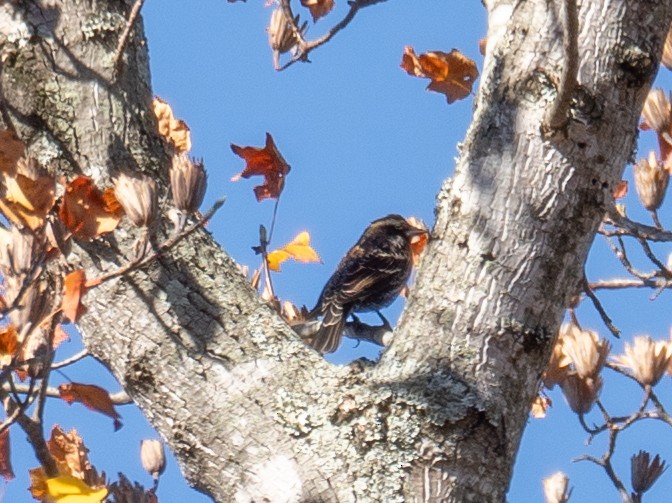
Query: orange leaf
266	162
318	8
9	344
92	397
452	74
11	150
299	249
87	212
74	289
28	194
5	456
38	484
173	130
621	189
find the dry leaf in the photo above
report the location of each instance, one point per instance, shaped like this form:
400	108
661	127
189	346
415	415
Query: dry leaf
621	190
93	397
266	162
318	8
87	212
77	480
5	456
173	130
9	344
28	194
299	249
74	288
452	74
11	150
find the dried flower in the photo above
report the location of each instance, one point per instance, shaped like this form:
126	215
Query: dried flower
17	251
137	195
645	472
581	393
651	179
188	181
558	366
281	37
584	347
153	457
555	488
657	111
647	359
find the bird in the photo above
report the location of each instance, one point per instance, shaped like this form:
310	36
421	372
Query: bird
368	278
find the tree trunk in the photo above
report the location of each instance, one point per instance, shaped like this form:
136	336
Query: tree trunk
251	412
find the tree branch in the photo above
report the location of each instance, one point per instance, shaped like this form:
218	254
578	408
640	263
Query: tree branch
556	117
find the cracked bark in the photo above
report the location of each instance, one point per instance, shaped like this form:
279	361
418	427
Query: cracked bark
249	411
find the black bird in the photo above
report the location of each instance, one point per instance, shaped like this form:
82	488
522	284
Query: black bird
368	278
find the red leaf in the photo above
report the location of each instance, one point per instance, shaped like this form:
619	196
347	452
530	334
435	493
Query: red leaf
74	290
266	162
92	397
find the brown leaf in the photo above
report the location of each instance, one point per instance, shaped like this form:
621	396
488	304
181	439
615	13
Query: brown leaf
74	288
87	212
93	397
452	74
318	8
5	456
174	131
69	452
28	194
266	162
621	190
9	344
11	150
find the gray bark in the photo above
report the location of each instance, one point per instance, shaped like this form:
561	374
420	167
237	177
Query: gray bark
248	409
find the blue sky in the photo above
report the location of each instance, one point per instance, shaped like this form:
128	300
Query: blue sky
363	139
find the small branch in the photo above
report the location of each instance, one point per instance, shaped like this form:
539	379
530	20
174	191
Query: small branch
123	40
305	47
118	398
598	306
162	248
556	116
626	227
69	361
622	283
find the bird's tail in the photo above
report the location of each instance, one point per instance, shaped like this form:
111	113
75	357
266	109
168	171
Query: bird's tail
328	337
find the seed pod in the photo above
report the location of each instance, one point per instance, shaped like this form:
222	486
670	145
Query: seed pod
645	472
657	111
153	457
555	488
188	181
646	359
137	195
651	179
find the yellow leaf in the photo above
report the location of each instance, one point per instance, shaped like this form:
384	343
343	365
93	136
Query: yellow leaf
299	249
66	489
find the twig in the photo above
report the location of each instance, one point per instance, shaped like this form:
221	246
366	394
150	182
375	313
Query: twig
118	398
626	227
598	306
69	361
556	116
163	247
305	47
622	283
123	40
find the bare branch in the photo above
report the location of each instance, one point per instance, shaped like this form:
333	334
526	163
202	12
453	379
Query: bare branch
556	116
598	306
69	361
305	47
123	40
